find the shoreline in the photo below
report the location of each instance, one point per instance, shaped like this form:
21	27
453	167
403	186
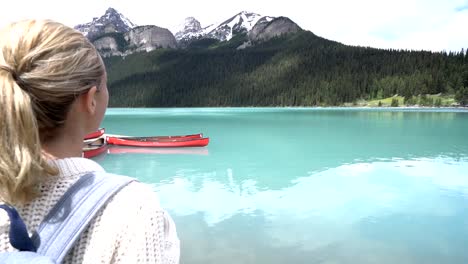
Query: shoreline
459	108
384	108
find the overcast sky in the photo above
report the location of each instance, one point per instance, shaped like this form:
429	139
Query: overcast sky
401	24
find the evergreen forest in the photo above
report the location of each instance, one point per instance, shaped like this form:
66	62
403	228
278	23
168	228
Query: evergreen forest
299	69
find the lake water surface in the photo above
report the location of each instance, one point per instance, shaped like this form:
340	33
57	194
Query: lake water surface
306	185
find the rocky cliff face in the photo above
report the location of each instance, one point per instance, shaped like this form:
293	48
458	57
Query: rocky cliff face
267	28
148	38
143	38
108	46
259	26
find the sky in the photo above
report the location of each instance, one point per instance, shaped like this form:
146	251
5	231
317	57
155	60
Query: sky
437	25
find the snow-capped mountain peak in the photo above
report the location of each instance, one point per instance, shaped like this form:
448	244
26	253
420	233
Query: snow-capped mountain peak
113	15
241	22
189	29
111	21
249	19
191	25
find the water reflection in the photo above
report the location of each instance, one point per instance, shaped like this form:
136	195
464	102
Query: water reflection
377	212
383	183
119	150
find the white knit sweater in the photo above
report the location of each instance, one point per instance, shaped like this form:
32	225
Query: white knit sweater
131	228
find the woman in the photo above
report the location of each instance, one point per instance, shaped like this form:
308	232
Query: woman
52	93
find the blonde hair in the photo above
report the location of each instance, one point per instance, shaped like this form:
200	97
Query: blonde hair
44	66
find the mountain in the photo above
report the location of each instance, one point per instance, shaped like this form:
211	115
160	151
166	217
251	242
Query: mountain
112	21
115	35
242	22
191	28
256	27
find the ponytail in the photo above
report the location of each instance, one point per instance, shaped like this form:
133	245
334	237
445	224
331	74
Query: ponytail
21	161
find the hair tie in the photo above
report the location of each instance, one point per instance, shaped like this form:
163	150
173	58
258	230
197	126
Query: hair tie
9	70
15	76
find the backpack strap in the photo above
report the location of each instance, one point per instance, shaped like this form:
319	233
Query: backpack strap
18	234
71	215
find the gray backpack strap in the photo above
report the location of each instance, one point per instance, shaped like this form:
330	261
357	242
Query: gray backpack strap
71	215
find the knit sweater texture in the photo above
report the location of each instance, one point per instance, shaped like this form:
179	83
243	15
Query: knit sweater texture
131	228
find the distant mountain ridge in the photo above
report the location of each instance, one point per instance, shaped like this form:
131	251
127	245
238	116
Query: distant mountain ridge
240	23
115	35
111	21
244	22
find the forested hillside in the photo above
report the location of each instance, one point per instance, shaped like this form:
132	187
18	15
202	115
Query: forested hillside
300	69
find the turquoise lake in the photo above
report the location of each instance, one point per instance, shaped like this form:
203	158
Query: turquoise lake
306	185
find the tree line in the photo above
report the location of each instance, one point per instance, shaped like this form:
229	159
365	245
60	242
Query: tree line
301	69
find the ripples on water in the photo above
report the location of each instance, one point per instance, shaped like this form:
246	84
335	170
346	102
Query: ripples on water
307	185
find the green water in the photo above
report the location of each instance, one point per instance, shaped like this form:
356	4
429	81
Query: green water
307	185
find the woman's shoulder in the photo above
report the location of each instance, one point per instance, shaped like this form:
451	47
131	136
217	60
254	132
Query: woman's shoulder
132	224
137	194
135	225
134	207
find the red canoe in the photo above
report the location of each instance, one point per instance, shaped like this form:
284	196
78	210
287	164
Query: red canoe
158	143
95	134
94	148
157	138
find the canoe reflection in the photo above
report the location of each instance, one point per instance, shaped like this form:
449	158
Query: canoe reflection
143	150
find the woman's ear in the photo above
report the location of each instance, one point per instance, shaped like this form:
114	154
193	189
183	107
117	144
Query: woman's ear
89	100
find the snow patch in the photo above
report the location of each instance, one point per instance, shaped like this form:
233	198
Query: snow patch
244	19
127	21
